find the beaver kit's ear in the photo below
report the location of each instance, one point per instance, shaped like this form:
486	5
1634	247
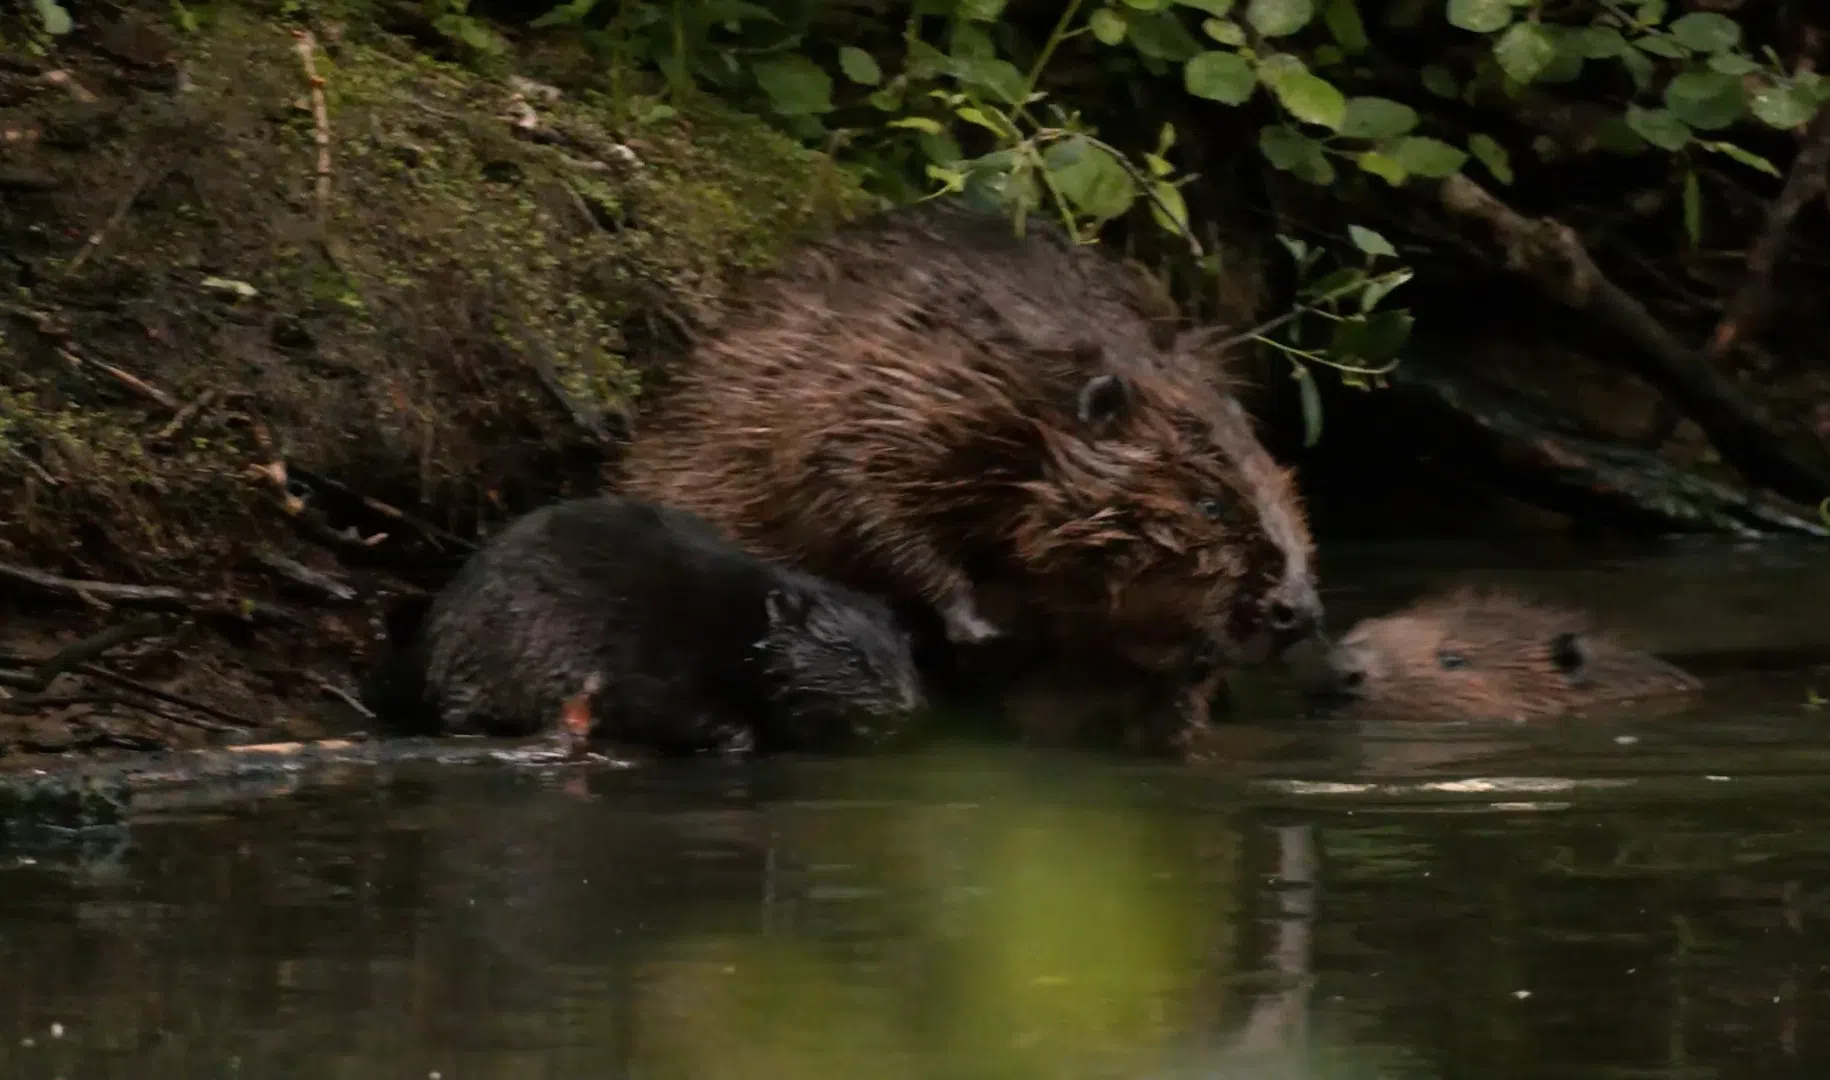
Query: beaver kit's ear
1569	654
1104	402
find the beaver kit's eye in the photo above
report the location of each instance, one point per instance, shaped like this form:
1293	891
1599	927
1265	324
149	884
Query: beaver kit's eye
1450	660
1210	509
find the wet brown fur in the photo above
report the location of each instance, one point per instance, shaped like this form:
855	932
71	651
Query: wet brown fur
901	408
1485	655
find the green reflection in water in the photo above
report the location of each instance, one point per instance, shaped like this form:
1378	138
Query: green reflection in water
1091	934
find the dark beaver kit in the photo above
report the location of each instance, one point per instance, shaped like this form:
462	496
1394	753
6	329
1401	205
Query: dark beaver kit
677	641
1473	655
925	404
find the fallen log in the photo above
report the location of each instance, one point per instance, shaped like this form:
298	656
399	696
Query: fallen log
1535	454
1551	256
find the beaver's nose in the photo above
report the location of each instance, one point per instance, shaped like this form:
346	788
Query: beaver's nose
1293	610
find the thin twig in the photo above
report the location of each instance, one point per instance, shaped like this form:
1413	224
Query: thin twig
125	378
431	532
1806	178
184	415
139	687
105	592
166	711
320	120
94	646
342	695
305	575
96	238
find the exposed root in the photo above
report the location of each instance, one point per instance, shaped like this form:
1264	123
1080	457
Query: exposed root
320	116
105	592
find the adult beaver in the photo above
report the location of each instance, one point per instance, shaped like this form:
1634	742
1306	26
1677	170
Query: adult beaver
680	641
925	402
1487	655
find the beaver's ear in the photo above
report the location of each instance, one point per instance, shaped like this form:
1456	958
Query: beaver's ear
1569	653
1104	401
785	607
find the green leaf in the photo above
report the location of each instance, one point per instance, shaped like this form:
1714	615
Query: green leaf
1480	16
1660	127
1159	166
1784	106
1163	37
1707	32
943	149
1295	153
1143	5
859	66
1279	18
1312	404
1220	76
54	18
1693	209
1217	8
1597	42
1108	26
1638	67
1745	157
1377	118
1566	57
1000	77
1659	45
1524	51
1705	100
1370	242
795	85
976	116
1311	99
1282	145
981	10
1732	64
970	41
1381	287
919	123
1330	287
1165	137
1225	31
1089	177
888	99
1440	81
952	179
564	14
1169	196
1491	154
1651	13
1276	67
1382	166
1372	338
1343	19
1421	155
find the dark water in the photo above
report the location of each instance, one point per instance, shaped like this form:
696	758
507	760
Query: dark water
1646	898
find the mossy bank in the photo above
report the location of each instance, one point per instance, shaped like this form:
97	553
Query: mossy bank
237	368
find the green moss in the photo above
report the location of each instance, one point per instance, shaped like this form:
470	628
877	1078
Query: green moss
458	262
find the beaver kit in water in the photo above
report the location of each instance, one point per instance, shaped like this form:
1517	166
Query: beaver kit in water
925	403
1478	655
677	641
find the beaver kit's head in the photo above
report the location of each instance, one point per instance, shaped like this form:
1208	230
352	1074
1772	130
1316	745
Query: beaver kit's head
1487	656
1158	493
839	668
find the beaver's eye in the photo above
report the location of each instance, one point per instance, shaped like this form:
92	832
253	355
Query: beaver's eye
1450	659
1211	509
